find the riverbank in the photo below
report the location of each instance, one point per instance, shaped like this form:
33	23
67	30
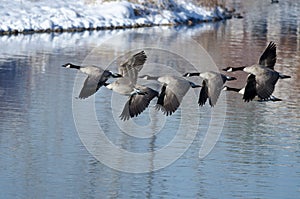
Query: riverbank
27	17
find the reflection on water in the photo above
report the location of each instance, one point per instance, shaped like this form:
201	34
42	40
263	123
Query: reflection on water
257	155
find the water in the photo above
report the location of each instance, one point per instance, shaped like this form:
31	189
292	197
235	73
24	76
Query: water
256	156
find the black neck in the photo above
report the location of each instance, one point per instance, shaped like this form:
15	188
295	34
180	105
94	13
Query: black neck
233	89
75	66
238	68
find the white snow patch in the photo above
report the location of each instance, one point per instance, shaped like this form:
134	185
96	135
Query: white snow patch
42	15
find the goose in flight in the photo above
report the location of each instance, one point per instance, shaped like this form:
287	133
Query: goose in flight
139	96
212	85
96	78
172	92
262	79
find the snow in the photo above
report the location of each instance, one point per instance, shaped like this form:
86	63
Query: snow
22	16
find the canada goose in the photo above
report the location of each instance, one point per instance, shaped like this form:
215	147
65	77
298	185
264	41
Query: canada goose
274	1
139	96
212	85
95	79
242	90
172	92
262	79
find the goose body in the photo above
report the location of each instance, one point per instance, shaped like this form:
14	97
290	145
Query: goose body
173	90
212	85
139	96
96	78
123	86
261	84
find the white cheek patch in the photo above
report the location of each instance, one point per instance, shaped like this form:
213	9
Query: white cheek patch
68	66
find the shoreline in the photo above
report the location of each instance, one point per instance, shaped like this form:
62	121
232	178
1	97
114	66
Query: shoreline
82	29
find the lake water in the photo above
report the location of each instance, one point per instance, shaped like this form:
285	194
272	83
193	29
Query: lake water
53	145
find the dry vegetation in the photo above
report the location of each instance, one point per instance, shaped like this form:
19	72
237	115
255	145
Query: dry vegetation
210	3
165	3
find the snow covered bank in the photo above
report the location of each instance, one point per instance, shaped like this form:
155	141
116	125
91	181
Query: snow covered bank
27	16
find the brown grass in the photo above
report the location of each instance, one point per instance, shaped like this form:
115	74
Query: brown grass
166	3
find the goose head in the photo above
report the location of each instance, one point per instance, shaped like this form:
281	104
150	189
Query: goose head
116	75
187	75
228	69
191	74
68	65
